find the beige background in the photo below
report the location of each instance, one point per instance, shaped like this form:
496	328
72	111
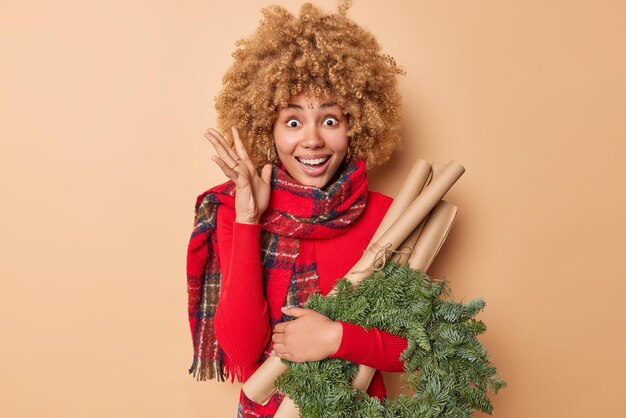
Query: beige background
102	109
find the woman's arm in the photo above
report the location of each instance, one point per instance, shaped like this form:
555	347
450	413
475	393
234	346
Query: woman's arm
313	336
375	348
242	325
241	320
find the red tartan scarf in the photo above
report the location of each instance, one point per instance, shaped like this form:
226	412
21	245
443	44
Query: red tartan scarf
295	212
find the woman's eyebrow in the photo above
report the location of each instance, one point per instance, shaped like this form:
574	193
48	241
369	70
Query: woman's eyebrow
322	106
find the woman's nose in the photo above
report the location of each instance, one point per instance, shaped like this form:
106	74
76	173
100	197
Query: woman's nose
312	138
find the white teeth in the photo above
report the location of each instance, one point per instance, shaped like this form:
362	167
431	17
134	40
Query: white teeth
315	161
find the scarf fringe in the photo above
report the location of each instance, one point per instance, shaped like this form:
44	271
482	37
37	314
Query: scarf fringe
208	370
204	370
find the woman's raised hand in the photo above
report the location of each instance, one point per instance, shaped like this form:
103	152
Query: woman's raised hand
252	191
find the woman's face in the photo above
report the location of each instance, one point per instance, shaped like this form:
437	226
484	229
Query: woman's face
311	139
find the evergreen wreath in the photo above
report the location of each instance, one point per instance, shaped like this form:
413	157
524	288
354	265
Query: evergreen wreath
445	365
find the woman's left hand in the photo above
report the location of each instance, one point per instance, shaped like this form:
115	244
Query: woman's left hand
310	337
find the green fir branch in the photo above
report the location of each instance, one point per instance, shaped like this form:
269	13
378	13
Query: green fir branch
446	367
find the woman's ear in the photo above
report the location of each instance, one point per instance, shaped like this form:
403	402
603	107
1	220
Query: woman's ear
272	154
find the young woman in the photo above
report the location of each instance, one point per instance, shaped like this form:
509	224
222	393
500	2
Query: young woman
309	103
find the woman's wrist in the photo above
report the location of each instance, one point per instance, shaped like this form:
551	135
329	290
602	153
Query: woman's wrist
336	333
247	220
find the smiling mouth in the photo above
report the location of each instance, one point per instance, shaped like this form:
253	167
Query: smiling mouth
313	162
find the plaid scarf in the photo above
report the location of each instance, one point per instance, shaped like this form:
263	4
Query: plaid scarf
295	212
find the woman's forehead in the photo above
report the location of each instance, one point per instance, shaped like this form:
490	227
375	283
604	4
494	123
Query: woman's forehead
303	100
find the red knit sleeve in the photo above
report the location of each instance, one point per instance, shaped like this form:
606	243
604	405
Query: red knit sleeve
242	325
375	348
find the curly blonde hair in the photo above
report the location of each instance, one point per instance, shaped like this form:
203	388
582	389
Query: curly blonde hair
324	55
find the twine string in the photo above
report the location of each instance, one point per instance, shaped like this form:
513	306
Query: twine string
382	254
404	251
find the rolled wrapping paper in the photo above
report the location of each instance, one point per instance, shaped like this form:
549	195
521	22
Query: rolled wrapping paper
434	231
437	168
433	236
260	386
406	248
407	222
287	409
411	187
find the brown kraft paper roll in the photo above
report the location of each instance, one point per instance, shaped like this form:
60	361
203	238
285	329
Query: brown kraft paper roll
415	213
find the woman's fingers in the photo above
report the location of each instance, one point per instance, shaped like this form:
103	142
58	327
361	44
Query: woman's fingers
221	147
281	327
218	136
278	352
222	150
230	173
232	157
281	353
266	173
278	338
241	150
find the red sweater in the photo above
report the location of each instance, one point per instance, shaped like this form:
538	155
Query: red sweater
242	324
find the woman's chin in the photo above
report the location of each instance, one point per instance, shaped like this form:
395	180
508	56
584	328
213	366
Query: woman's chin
315	176
319	182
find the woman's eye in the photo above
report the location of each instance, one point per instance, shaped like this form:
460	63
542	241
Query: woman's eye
293	123
330	121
